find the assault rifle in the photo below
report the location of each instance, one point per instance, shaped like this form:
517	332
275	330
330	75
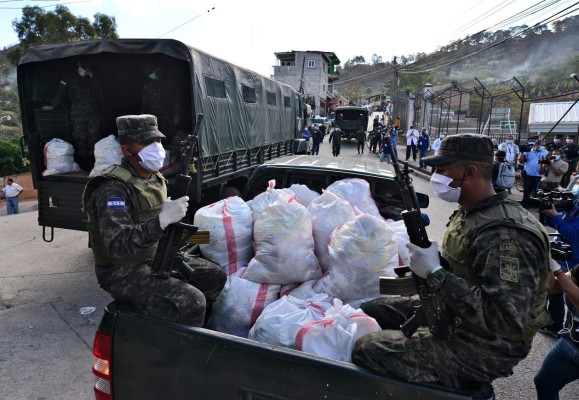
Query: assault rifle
430	311
169	253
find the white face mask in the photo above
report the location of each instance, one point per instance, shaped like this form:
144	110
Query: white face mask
440	185
81	71
152	157
153	75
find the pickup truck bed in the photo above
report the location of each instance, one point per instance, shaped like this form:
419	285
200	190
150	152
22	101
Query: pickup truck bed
145	358
173	361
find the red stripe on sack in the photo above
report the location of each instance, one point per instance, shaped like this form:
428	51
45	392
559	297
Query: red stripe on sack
230	240
318	307
259	304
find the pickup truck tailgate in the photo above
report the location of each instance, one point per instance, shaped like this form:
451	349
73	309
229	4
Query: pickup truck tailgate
154	359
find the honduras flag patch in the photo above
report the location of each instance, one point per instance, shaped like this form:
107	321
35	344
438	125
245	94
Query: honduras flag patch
116	203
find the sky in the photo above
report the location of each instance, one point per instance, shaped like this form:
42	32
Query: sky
249	32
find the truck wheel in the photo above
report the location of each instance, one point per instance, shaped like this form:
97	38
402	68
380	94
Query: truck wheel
229	191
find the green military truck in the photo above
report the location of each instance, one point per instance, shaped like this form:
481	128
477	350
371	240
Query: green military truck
249	118
350	120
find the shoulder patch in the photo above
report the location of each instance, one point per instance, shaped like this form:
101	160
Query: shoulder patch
508	247
509	269
115	203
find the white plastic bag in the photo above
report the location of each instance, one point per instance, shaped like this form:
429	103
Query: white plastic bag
328	212
239	305
270	196
280	321
59	158
284	245
361	250
230	229
357	192
401	235
107	152
303	291
334	335
304	194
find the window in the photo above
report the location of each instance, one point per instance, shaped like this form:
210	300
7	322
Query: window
215	88
248	94
288	63
311	63
287	102
271	101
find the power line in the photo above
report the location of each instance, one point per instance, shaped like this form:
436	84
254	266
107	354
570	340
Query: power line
185	23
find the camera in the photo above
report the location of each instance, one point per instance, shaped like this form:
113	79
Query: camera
526	147
546	160
562	200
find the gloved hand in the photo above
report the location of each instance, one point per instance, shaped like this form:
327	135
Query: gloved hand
173	211
424	261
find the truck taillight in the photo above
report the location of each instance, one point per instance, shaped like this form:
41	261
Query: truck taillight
101	367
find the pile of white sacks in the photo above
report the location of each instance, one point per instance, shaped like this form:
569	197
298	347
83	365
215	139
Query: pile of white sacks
299	263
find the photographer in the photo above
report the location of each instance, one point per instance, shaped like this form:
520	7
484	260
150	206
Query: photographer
532	177
561	365
552	169
567	224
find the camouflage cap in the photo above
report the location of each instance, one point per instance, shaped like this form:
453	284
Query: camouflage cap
140	128
463	147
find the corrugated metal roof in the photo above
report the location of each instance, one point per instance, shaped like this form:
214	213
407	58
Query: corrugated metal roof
552	112
544	116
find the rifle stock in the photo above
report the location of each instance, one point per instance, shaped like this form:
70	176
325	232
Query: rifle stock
168	253
431	311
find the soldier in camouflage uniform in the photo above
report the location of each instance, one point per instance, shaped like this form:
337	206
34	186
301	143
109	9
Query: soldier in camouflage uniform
83	92
128	211
495	281
164	95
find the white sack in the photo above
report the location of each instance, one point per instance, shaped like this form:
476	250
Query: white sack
334	335
302	291
239	305
361	250
59	158
304	194
401	235
328	212
229	223
280	321
284	245
270	196
357	192
107	152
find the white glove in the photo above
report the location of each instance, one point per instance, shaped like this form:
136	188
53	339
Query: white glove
173	211
424	261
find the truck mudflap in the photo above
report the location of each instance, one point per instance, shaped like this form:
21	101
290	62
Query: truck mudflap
155	359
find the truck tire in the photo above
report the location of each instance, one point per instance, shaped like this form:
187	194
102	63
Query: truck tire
229	191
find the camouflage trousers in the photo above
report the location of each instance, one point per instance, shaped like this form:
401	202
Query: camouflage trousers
427	358
85	132
169	299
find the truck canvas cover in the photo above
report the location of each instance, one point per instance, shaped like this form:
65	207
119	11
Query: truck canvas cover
226	94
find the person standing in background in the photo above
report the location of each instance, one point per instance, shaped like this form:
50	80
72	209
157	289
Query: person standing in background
511	150
423	147
12	192
411	141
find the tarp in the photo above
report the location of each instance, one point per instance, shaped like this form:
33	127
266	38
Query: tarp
242	109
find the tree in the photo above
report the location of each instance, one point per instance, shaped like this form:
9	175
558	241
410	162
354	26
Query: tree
39	27
376	59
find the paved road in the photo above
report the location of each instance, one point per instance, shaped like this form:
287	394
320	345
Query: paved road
45	342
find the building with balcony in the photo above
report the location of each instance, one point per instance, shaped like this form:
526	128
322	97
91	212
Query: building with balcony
311	73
